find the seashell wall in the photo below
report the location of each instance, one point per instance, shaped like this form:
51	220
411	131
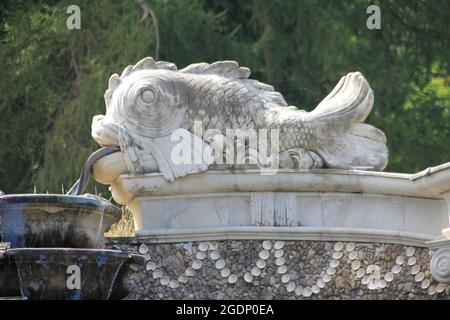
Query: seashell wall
251	269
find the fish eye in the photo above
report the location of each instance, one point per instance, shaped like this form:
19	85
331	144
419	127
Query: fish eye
148	96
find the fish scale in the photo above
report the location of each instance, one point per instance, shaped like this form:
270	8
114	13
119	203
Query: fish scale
233	102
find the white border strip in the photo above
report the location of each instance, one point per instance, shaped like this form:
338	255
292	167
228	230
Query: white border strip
285	233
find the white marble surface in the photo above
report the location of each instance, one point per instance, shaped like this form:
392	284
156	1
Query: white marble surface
385	203
336	210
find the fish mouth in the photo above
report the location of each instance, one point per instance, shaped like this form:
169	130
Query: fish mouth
104	132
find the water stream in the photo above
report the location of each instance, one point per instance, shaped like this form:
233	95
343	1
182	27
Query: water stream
79	186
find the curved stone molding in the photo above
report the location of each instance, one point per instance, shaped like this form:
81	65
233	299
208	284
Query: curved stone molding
283	233
128	186
440	265
221	204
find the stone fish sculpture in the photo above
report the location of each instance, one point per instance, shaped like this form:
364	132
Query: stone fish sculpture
148	101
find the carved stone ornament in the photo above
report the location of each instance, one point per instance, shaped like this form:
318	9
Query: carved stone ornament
440	265
151	101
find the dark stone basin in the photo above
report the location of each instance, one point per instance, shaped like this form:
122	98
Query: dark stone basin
47	220
44	273
9	281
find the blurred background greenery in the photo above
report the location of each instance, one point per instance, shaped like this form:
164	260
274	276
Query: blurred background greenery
53	79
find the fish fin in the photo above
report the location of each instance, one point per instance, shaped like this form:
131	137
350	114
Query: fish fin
349	102
351	144
131	151
361	147
147	63
229	69
267	92
232	70
162	147
113	82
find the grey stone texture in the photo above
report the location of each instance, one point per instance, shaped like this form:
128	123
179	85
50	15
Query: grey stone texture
270	269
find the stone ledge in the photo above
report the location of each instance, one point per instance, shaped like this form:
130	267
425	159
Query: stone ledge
430	183
400	205
283	233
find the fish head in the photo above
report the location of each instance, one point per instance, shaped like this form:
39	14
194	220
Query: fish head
149	103
147	100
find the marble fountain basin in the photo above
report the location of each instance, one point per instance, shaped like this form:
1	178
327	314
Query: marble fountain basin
43	272
52	220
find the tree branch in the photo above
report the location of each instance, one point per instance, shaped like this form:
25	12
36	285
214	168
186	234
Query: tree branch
427	33
148	11
318	83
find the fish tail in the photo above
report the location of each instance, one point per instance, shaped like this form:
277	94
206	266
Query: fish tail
344	141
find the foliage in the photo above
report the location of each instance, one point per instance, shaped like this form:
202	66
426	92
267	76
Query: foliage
53	79
123	228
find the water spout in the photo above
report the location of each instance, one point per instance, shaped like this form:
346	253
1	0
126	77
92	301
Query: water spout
79	186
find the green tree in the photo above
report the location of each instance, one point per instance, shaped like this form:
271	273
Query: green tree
53	79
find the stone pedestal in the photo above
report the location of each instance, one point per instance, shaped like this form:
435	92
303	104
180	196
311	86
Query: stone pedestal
292	204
